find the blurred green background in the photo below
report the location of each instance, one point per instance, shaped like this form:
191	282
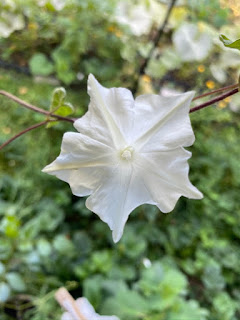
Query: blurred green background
181	266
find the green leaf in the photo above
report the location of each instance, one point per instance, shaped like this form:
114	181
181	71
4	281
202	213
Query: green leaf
92	289
2	268
229	43
58	97
66	109
213	278
151	279
102	261
224	305
44	247
4	291
5	248
188	310
10	225
40	65
132	245
63	245
127	272
15	281
128	305
59	106
63	62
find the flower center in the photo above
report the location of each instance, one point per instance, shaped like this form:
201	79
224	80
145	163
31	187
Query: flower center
127	153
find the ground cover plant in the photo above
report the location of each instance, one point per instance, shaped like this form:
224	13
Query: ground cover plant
178	266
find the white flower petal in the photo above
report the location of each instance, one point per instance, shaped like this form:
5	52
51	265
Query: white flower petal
85	308
82	181
108	201
128	153
120	192
166	122
78	151
110	114
190	43
81	163
165	175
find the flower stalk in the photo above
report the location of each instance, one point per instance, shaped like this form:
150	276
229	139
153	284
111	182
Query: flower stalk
35	126
212	101
232	86
34	108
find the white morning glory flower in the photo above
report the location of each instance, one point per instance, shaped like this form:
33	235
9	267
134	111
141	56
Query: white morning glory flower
10	22
191	43
139	17
128	153
87	312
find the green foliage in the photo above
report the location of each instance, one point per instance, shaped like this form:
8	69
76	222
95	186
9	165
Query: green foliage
65	38
224	306
180	266
40	65
219	16
229	43
59	106
158	294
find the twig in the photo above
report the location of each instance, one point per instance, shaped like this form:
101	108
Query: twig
212	101
155	43
49	114
34	108
64	298
35	126
233	86
157	38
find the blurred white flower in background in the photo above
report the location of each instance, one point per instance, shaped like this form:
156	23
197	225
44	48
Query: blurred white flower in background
10	22
139	17
128	152
234	104
191	43
228	59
